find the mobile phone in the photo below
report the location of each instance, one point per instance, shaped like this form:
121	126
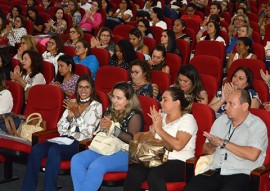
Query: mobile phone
210	172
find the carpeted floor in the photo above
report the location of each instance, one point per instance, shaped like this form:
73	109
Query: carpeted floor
64	181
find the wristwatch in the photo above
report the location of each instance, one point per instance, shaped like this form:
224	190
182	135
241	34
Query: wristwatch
225	142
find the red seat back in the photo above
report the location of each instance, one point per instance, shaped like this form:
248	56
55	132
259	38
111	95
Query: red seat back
210	84
48	71
18	96
184	48
81	69
122	30
162	79
103	56
174	62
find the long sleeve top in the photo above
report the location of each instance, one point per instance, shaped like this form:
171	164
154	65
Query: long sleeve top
87	24
83	126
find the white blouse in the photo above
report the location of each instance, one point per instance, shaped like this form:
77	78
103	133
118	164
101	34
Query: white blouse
6	101
18	33
52	58
187	124
37	79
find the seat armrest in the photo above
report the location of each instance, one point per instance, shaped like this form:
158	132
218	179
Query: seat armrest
83	145
44	135
260	178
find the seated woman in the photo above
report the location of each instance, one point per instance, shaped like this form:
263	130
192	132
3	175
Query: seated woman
5	63
124	54
136	39
178	129
33	16
179	26
266	78
157	18
236	23
84	57
168	40
15	32
31	73
144	27
145	12
77	123
47	5
6	99
73	10
200	5
264	20
104	40
57	24
122	15
65	77
189	81
215	9
55	48
75	34
244	31
106	5
3	24
157	60
140	75
30	3
89	167
15	11
243	51
92	18
27	43
242	78
213	33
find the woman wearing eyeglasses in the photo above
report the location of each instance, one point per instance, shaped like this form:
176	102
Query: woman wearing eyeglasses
140	75
84	57
77	123
104	40
75	34
55	48
92	18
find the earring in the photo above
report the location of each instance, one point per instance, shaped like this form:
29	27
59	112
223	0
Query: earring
70	69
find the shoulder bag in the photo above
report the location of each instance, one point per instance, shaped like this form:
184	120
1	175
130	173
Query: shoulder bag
145	149
106	143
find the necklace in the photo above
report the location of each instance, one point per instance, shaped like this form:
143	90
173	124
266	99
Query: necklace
84	101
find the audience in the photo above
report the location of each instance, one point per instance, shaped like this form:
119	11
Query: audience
191	8
75	34
168	40
15	11
73	10
89	167
106	5
157	18
178	129
57	24
179	26
5	64
144	27
6	99
77	123
266	78
157	60
34	17
136	39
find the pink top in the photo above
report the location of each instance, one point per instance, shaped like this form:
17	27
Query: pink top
87	24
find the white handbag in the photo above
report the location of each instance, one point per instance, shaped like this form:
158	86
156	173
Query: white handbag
106	143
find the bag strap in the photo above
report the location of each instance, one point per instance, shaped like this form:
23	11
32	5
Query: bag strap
31	118
7	124
11	121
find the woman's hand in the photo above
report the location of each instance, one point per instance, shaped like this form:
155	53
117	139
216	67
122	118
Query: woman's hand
14	76
265	76
105	122
156	118
226	89
73	108
95	42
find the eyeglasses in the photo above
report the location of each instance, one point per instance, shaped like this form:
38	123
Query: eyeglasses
135	72
104	35
72	32
86	88
78	47
50	43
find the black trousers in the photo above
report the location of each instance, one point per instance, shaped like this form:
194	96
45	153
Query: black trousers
217	182
171	171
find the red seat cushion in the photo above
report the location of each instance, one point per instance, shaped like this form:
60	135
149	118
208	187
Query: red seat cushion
13	145
114	176
171	186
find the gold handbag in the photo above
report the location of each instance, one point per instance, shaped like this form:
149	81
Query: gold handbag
31	125
147	150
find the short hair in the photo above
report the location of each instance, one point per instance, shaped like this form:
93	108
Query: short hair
249	75
178	94
160	48
88	78
85	45
159	13
22	20
146	70
133	102
36	63
69	61
59	43
245	97
105	29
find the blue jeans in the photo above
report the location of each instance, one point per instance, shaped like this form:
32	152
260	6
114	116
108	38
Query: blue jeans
89	167
54	153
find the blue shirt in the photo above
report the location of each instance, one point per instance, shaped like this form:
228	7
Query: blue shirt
91	62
